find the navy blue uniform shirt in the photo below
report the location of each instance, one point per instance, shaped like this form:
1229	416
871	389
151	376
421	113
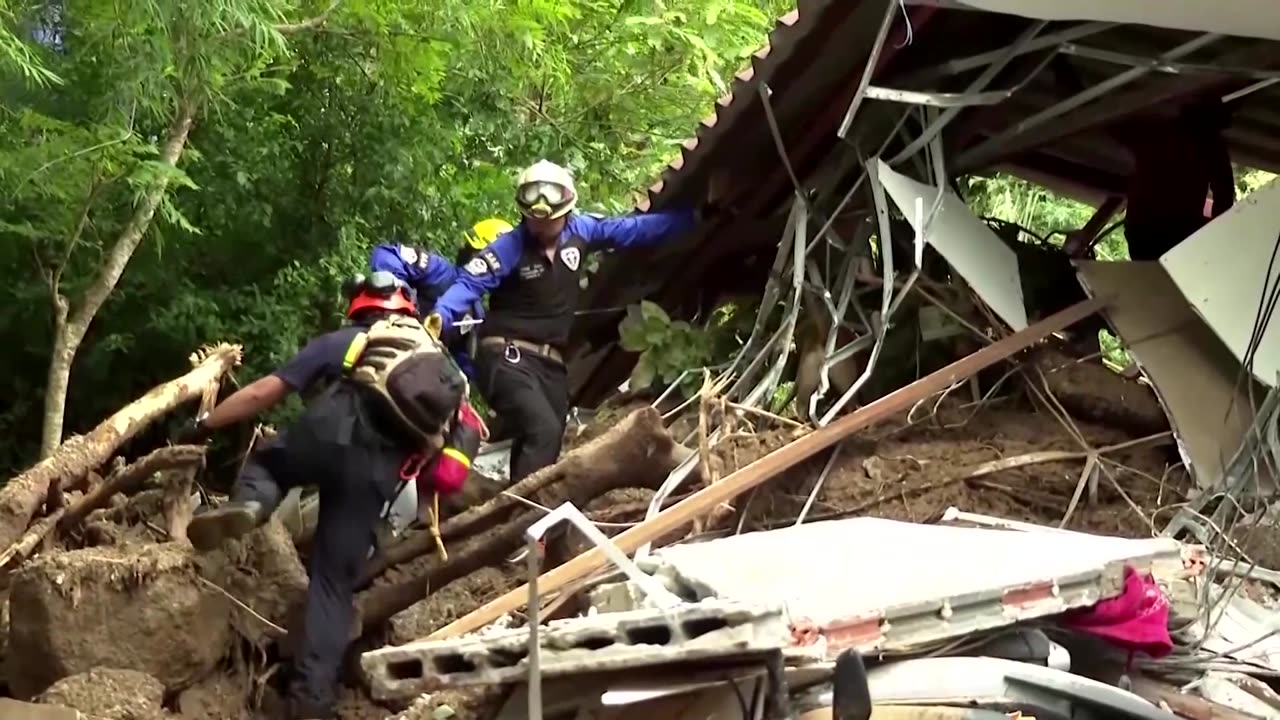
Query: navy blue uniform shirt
318	362
533	297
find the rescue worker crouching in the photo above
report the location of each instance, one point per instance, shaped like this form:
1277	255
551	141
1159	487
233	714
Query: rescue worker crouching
429	275
394	411
532	276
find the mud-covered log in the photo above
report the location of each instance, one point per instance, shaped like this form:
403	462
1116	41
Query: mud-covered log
1091	392
637	452
125	478
24	494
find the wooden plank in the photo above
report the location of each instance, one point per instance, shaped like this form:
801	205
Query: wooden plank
770	465
1188	706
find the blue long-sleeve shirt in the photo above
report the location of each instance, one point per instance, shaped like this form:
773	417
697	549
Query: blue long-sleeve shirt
429	274
533	290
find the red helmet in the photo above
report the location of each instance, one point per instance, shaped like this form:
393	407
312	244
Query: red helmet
397	301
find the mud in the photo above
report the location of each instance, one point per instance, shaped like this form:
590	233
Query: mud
223	696
446	604
109	695
139	610
263	572
915	474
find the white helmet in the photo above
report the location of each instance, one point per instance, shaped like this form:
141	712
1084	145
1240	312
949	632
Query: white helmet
545	191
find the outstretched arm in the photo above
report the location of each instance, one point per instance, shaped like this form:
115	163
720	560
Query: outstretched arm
320	358
639	230
481	275
262	394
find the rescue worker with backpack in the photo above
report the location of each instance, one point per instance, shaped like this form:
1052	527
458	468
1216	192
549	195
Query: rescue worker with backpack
392	409
430	274
533	277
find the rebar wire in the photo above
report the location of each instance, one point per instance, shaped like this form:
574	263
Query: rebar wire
817	485
886	259
873	59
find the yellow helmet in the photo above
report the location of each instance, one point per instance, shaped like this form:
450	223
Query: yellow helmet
545	191
486	231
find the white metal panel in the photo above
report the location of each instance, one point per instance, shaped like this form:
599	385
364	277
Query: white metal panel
1222	271
981	258
1246	18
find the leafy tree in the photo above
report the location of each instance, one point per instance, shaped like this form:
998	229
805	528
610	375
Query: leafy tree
260	156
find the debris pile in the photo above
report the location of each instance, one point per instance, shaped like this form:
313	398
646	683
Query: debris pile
1001	520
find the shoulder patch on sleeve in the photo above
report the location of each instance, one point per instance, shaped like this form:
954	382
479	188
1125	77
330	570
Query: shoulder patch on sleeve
408	255
486	261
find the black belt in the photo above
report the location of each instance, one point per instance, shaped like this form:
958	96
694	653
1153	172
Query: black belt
543	349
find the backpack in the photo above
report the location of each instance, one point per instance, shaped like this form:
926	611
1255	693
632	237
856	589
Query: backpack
410	374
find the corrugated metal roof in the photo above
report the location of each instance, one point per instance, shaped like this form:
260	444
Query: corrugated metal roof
788	33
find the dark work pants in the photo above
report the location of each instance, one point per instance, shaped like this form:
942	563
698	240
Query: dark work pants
357	470
1149	240
531	396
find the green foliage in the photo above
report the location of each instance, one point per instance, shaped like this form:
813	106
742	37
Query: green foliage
667	349
390	120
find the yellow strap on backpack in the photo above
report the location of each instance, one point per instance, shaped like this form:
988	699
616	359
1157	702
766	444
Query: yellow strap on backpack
435	526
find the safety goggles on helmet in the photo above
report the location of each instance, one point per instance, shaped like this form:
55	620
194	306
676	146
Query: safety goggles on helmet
380	283
378	291
543	199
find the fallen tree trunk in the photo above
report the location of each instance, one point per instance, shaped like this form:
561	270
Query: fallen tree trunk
24	494
637	452
770	465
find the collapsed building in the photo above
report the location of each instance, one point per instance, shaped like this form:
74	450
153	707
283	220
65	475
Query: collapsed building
964	513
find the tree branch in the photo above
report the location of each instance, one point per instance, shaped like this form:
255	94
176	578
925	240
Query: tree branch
309	24
126	243
167	458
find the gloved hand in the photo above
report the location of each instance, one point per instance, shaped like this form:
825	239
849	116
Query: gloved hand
194	432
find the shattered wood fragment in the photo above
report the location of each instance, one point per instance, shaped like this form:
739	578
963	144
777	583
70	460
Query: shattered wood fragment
22	496
774	463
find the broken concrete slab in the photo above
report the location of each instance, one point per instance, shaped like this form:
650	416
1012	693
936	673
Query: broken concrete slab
142	609
922	583
108	694
601	642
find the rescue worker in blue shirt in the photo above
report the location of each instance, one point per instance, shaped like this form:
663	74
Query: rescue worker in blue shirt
532	277
341	444
430	274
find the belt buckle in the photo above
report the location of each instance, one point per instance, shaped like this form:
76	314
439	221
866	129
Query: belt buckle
511	353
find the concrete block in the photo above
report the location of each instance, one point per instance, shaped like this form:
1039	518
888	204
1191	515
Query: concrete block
608	641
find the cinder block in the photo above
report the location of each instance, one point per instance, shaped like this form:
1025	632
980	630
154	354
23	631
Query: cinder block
608	641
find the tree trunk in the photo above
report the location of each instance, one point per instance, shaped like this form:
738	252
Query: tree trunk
69	332
24	494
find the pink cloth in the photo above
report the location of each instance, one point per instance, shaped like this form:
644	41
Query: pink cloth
1136	620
